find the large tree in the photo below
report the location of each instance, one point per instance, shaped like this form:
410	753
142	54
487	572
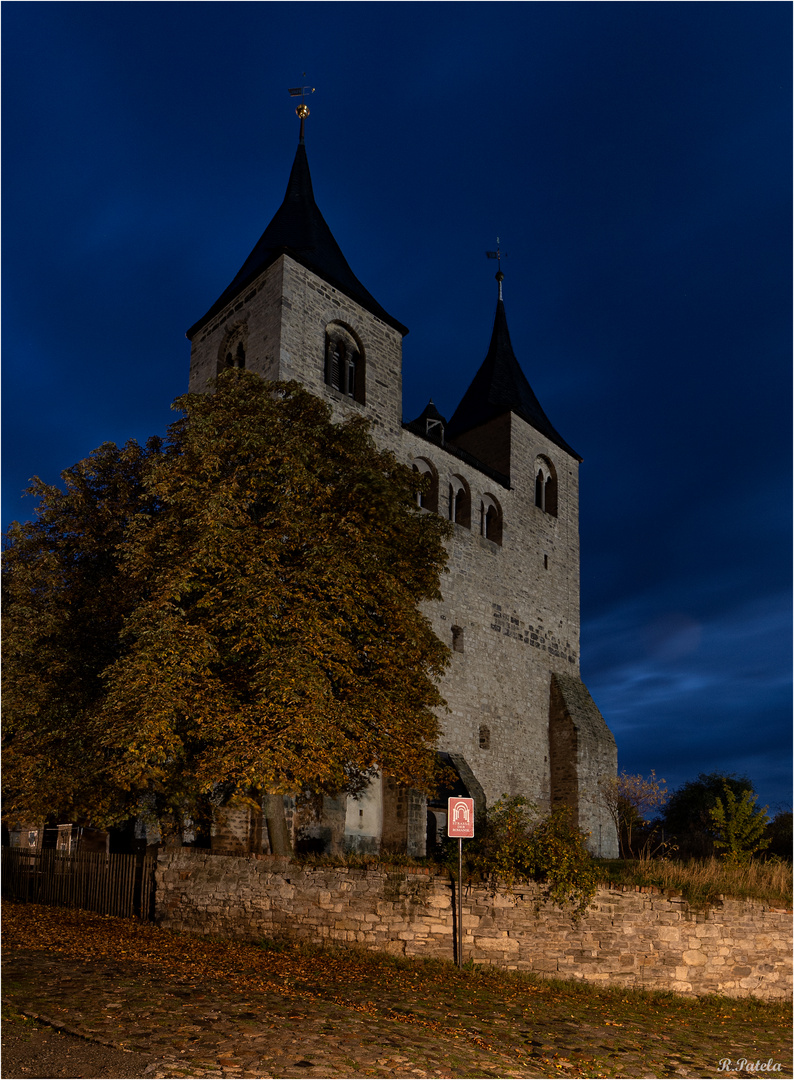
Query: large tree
260	595
65	599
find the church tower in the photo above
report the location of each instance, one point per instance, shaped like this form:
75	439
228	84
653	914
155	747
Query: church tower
296	310
519	714
519	719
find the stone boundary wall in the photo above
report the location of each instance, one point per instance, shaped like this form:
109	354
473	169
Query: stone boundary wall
628	937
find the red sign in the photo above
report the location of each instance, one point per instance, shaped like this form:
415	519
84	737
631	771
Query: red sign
460	817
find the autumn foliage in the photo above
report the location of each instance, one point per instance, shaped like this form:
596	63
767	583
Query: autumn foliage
237	607
631	800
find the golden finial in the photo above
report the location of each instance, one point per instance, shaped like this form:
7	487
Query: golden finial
301	110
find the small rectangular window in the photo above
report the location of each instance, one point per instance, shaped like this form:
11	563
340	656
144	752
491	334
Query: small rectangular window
457	639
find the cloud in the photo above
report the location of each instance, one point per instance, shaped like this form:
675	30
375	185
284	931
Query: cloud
685	695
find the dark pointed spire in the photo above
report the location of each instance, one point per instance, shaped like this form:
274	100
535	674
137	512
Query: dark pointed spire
299	230
501	386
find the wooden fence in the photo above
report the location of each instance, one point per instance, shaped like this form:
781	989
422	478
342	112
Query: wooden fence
94	881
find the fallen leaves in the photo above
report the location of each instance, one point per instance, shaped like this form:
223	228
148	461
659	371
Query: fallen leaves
531	1028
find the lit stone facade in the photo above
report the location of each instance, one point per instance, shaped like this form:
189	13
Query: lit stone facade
519	720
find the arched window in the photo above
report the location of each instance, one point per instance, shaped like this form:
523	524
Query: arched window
491	519
427	499
344	362
459	502
232	351
545	486
236	360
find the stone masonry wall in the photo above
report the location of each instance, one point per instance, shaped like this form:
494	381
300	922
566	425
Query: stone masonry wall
518	625
643	939
514	605
284	314
517	604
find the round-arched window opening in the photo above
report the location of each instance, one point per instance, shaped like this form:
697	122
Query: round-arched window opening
232	351
491	519
428	497
459	502
344	362
546	486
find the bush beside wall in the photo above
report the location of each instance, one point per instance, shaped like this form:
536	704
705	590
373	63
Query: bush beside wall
628	937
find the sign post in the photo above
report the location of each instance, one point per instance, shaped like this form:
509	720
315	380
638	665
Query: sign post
460	823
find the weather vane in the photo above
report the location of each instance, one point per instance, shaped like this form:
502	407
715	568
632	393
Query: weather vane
498	256
301	110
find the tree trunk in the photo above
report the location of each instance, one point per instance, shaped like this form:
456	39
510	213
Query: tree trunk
170	830
276	821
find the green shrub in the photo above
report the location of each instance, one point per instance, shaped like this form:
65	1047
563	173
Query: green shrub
519	845
740	827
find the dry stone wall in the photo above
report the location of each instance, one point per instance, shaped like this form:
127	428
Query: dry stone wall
642	939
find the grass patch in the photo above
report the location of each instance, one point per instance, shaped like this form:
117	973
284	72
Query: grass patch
10	1013
704	881
699	881
363	965
274	945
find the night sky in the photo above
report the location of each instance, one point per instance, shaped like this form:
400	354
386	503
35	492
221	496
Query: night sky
634	159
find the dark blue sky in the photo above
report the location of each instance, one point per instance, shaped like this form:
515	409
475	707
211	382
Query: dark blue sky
634	158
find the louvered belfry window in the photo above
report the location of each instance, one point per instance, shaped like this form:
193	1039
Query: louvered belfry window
344	369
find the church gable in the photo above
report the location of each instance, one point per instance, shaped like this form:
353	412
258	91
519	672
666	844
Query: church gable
490	443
